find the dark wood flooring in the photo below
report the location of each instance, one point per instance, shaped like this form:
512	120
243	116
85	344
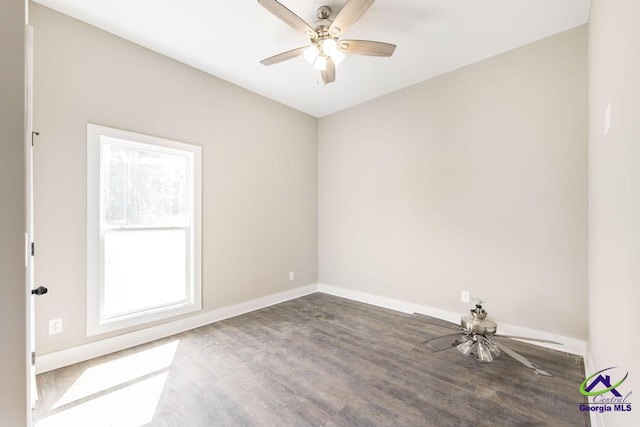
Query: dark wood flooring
318	360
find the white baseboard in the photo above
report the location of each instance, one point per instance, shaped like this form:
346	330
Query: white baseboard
59	359
570	345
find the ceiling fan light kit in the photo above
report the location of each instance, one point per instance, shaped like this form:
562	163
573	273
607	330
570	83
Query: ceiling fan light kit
320	63
325	50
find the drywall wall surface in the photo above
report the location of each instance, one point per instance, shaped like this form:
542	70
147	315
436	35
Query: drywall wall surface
259	168
614	198
14	409
475	180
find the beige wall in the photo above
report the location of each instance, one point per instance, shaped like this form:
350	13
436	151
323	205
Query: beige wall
614	195
259	167
14	410
475	180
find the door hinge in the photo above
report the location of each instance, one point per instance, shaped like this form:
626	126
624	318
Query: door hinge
33	358
33	248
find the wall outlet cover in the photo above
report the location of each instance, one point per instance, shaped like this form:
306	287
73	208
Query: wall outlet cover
465	297
55	326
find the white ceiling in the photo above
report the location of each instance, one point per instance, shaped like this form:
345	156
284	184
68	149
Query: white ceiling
228	39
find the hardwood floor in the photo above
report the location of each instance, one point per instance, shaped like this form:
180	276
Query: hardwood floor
318	360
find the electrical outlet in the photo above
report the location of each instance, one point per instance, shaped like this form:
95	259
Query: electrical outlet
291	275
55	326
464	296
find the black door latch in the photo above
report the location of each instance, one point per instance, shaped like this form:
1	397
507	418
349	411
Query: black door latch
40	290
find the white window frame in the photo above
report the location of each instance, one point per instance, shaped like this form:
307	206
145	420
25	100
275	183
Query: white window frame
95	232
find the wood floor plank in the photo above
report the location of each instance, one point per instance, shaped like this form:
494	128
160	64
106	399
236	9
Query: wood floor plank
321	360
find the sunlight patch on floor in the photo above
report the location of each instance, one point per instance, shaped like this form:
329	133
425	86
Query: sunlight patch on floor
120	371
134	405
121	392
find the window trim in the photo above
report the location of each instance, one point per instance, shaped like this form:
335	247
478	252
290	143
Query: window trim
95	274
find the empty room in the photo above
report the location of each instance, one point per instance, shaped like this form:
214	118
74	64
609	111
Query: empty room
323	213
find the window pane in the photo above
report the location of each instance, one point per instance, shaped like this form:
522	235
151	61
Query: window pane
142	186
143	269
144	203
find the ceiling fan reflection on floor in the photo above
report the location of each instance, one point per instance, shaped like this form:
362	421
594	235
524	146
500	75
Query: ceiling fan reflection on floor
326	49
477	335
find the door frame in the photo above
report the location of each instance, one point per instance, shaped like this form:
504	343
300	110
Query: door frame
29	235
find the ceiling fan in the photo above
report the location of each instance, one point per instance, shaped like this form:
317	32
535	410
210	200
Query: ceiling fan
477	335
326	49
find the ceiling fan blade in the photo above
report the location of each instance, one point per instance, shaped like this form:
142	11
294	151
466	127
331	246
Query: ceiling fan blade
283	56
527	339
444	342
285	15
520	358
329	75
367	47
350	13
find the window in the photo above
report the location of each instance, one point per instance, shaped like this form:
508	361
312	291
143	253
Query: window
143	229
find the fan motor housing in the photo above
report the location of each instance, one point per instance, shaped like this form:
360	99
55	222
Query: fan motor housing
478	326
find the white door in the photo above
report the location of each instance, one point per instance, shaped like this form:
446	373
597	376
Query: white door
29	238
